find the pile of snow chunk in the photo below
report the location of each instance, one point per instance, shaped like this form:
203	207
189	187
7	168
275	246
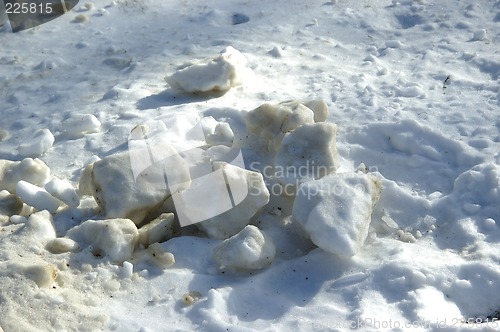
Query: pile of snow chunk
250	249
219	74
335	211
112	183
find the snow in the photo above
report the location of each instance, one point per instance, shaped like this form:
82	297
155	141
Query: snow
250	249
335	211
412	87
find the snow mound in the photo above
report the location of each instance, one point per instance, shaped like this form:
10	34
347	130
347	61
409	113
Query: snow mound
219	74
335	211
250	249
115	238
30	170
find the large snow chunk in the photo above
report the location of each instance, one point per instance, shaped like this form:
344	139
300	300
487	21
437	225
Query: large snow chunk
64	191
115	238
270	122
335	211
307	153
238	195
250	249
123	194
158	230
218	74
30	170
37	197
38	144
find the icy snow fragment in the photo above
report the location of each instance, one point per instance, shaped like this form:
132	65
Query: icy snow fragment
410	92
78	125
335	211
218	74
248	188
40	226
127	270
250	249
9	204
222	135
479	35
62	245
393	44
307	153
318	106
37	197
112	183
191	297
158	230
160	256
270	122
115	238
38	144
64	191
30	170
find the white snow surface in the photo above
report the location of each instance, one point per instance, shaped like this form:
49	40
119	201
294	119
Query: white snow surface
412	87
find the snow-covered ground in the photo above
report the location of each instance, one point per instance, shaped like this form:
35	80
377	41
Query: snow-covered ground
413	88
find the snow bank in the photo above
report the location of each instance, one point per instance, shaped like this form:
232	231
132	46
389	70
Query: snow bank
112	183
115	238
250	249
249	195
307	153
218	74
30	170
335	211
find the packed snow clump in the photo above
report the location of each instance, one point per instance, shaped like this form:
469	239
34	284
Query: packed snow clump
38	145
111	181
63	190
269	123
249	195
250	249
307	153
219	74
37	197
78	125
30	170
158	230
40	226
335	211
115	238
